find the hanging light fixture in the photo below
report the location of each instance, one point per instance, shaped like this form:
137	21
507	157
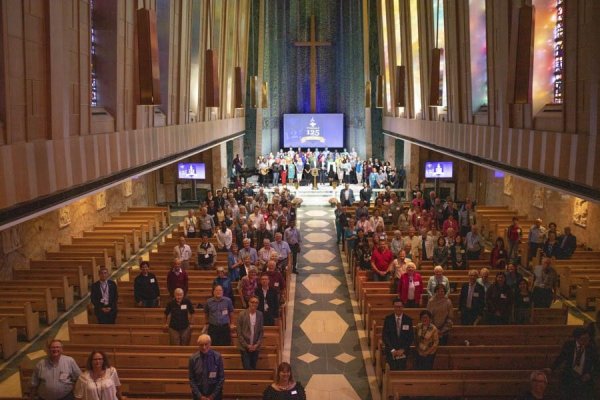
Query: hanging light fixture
264	94
253	79
379	92
435	100
211	77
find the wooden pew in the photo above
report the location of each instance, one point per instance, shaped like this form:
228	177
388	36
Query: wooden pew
132	236
59	288
101	257
140	232
589	290
22	318
135	222
41	301
8	339
573	275
75	276
173	383
145	334
466	383
114	250
89	266
123	243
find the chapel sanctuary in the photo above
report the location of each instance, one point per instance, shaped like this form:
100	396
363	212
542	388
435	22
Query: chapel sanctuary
408	189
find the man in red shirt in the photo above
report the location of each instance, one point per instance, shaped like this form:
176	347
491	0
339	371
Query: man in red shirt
381	259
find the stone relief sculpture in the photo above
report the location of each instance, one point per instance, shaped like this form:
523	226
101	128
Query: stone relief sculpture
64	217
127	188
538	197
11	239
580	212
508	185
101	200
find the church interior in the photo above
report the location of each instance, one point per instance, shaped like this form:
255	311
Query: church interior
478	119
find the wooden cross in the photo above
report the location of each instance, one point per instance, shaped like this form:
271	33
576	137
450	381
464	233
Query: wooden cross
313	44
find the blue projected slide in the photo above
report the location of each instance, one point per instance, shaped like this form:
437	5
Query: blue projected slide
438	169
191	170
313	130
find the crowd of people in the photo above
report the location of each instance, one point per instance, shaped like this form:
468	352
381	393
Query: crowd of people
339	166
262	244
58	377
447	236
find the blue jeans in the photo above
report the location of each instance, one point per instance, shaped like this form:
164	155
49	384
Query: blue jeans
249	359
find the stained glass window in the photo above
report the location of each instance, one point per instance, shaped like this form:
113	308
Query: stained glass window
559	51
478	52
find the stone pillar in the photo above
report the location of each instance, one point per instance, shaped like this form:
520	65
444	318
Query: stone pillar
219	166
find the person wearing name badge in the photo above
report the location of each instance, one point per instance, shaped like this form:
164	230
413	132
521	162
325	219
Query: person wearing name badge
145	287
183	251
100	381
104	296
219	313
523	309
472	300
499	301
207	254
206	371
249	327
410	287
398	336
54	377
177	278
178	315
268	300
284	387
190	225
427	341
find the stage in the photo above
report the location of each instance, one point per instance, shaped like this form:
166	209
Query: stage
318	197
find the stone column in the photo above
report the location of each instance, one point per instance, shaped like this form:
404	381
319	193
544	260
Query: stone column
219	166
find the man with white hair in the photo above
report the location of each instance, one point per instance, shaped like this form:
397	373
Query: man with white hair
206	371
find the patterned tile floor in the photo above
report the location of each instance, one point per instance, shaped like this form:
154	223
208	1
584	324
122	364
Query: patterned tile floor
326	353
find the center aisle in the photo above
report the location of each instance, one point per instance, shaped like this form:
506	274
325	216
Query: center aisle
326	353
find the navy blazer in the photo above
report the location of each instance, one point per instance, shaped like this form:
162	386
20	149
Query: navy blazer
96	295
391	339
477	302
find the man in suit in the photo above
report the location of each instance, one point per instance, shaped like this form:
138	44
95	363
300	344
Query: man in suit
472	300
365	194
250	333
580	359
104	297
398	336
567	243
346	196
268	300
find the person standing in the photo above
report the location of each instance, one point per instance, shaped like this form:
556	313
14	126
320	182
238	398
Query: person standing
381	259
537	237
190	225
474	243
54	376
294	240
284	387
514	234
427	341
207	254
178	314
471	300
250	325
183	251
499	301
346	196
578	359
539	382
100	381
206	371
398	336
177	278
268	300
104	297
145	287
545	283
219	311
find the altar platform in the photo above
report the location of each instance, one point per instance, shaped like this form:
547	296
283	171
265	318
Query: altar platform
316	197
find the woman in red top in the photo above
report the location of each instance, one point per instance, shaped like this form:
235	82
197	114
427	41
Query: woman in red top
499	255
410	287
